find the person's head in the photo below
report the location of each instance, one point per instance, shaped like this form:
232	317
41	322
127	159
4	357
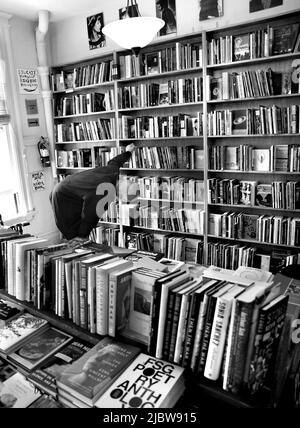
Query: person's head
95	24
162	4
7	400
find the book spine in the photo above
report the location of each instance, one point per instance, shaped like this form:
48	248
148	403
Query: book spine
217	339
112	294
240	349
83	297
190	329
101	300
154	316
168	326
176	313
181	328
206	334
229	352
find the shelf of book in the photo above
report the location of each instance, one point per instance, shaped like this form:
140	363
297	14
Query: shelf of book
253	207
92	143
160	107
243	100
255	243
161	75
95	113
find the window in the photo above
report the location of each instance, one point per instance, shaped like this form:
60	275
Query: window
14	200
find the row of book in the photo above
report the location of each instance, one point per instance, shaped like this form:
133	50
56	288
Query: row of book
92	130
162	216
232	256
251	84
278	157
278	194
92	102
90	74
109	236
177	189
182	125
254	121
179	91
46	367
252	227
167	157
85	158
181	56
271	40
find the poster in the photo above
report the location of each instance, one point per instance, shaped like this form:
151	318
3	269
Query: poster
28	81
38	181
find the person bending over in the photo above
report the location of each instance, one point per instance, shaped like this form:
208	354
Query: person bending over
75	200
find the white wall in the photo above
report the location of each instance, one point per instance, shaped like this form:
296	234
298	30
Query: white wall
24	56
69	40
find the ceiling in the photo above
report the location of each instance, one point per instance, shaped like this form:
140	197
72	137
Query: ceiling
59	9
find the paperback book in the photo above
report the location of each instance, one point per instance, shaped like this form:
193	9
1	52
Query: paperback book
147	382
38	348
16	331
89	376
17	392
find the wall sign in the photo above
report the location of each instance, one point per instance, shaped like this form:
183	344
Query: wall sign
38	181
32	123
31	106
28	81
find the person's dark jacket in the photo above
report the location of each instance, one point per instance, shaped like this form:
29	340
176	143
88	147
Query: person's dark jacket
74	200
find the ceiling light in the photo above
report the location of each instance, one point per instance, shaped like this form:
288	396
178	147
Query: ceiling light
134	31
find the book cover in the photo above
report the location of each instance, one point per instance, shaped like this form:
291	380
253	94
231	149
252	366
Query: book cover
37	349
152	63
261	160
263	196
45	376
17	392
239	122
241	47
9	310
284	38
270	324
89	376
14	332
147	382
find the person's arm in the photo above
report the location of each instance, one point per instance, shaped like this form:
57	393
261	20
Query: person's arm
118	161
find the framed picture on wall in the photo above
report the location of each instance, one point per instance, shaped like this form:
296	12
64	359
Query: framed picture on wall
166	10
210	9
256	5
95	23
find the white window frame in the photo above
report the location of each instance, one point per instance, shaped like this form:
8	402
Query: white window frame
15	134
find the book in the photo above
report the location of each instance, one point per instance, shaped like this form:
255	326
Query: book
239	122
147	383
89	376
140	302
17	392
45	376
260	159
38	348
119	300
269	328
241	47
45	402
152	63
284	38
263	197
6	370
247	192
9	310
16	331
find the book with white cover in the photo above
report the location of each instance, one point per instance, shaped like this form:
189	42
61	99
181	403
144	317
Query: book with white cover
17	392
147	382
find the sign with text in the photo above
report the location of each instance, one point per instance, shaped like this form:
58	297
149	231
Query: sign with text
28	81
38	181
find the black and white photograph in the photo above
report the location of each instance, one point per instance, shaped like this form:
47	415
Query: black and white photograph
257	5
210	9
157	233
96	38
166	10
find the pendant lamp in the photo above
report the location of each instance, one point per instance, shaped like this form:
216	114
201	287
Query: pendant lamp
134	31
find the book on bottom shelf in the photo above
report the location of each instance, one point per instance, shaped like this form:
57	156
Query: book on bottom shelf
17	392
88	377
147	383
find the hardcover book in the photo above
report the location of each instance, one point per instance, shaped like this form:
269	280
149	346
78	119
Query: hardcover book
37	349
264	195
89	376
147	382
284	38
239	122
17	392
16	331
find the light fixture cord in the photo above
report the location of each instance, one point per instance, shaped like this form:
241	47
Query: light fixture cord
134	8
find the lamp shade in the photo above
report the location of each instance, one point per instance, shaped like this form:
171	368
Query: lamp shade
133	32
